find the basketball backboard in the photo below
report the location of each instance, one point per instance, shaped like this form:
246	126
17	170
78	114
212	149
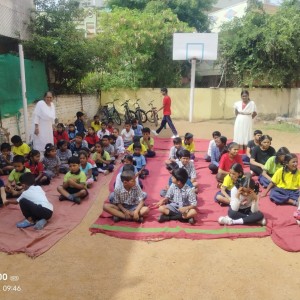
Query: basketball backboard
201	46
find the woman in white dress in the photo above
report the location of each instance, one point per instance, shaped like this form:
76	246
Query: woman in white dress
43	119
245	111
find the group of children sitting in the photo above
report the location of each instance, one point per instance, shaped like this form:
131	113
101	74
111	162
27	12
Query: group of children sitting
82	154
275	171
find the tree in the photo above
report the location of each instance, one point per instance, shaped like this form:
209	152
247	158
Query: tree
134	49
261	49
192	12
57	42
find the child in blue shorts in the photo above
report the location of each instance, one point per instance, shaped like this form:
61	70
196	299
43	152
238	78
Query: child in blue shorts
180	201
140	160
128	203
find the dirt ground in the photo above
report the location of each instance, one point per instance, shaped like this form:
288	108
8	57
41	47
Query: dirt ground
81	266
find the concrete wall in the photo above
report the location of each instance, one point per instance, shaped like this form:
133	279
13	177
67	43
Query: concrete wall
209	104
15	17
214	103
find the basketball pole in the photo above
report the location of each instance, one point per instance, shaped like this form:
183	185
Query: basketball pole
192	90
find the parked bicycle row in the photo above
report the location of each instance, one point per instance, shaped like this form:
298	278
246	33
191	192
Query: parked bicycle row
109	111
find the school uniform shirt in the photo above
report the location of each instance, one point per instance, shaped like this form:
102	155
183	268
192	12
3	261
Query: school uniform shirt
143	142
23	150
132	197
251	145
271	166
127	135
50	163
80	177
119	145
74	149
215	155
119	183
173	152
261	156
96	127
15	176
140	161
227	182
182	197
86	168
291	181
80	126
212	143
6	162
35	169
64	156
190	168
58	136
72	134
190	147
241	202
138	130
101	133
36	195
92	139
104	156
109	149
130	149
226	162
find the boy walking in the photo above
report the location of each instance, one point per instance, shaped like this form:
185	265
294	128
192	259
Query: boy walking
167	114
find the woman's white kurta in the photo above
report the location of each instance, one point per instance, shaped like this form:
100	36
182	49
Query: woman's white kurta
243	122
44	116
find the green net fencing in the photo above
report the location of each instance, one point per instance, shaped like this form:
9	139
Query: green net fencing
10	83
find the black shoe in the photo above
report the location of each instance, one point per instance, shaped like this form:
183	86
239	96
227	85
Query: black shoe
62	198
163	218
77	200
116	219
192	221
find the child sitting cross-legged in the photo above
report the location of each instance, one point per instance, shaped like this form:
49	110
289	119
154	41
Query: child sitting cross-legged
186	163
128	202
129	149
34	204
6	158
91	138
19	148
102	159
78	144
37	168
74	185
173	155
51	161
212	143
243	207
110	149
236	173
140	161
148	142
86	167
188	144
172	166
63	154
13	187
180	201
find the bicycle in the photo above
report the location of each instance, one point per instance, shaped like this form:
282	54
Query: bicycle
129	114
152	115
107	113
140	113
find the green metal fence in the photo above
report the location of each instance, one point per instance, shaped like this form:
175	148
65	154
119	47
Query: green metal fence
10	83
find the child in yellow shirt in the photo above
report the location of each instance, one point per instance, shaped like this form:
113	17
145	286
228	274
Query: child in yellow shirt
188	144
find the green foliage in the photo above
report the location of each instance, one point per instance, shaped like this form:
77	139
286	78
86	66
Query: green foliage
134	49
262	49
57	42
192	12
